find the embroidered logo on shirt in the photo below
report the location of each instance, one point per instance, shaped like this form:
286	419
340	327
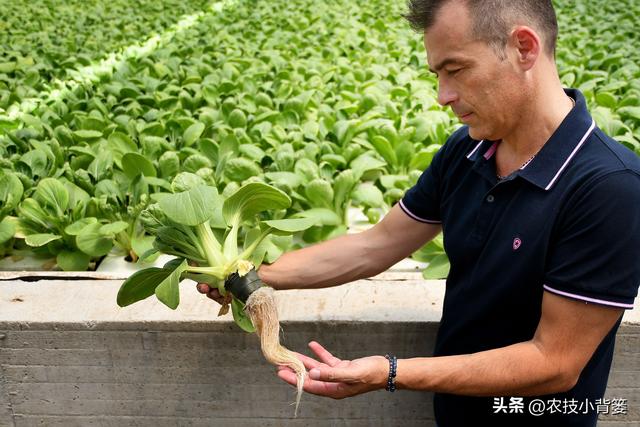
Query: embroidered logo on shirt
516	243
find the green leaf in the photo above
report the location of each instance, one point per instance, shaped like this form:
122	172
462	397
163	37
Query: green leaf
251	236
110	189
405	152
384	148
240	317
169	164
140	285
113	228
606	99
7	230
276	246
427	123
335	160
84	135
373	215
75	228
368	194
143	247
73	260
191	207
32	215
632	112
41	239
344	130
432	250
92	123
343	186
120	144
92	242
291	225
193	133
237	119
310	130
284	179
134	164
321	216
238	169
251	199
158	182
174	241
81	149
172	264
438	268
52	192
77	196
37	162
153	129
319	193
394	181
7	67
629	140
45	148
101	165
195	162
64	135
168	291
423	158
11	191
185	181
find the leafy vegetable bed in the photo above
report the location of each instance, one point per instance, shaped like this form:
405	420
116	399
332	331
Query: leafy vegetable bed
45	39
597	53
330	102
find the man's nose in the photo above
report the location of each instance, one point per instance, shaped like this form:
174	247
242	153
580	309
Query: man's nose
445	94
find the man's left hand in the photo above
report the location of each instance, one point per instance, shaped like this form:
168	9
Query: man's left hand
336	378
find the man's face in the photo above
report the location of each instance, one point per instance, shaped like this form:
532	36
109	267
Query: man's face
486	92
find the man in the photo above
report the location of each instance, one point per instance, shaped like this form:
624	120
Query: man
541	219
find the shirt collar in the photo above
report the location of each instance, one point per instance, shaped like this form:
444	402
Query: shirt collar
556	154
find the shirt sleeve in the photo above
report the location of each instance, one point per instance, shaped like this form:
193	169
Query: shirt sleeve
596	255
422	201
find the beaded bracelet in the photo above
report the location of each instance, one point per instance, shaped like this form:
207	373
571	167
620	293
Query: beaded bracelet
393	366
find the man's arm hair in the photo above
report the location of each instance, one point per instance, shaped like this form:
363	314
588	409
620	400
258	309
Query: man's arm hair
352	256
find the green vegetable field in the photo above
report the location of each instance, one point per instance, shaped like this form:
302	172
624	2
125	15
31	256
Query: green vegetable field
112	110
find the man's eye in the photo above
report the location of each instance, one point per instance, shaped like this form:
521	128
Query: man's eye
454	71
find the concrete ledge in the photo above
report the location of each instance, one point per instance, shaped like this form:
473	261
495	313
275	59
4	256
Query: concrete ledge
70	357
392	297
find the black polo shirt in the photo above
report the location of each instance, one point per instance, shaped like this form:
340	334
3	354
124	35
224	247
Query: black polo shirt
568	223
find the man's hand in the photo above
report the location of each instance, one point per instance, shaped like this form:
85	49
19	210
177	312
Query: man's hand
335	378
213	293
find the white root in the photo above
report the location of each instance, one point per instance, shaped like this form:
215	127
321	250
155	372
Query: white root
261	308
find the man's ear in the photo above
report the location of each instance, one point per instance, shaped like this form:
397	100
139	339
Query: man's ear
527	45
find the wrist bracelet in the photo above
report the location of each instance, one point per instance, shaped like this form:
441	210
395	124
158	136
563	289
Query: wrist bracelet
393	366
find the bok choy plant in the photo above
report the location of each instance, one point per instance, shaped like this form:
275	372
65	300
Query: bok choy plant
202	228
11	190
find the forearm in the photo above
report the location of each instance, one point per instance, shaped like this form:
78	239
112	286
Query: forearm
350	257
330	263
517	370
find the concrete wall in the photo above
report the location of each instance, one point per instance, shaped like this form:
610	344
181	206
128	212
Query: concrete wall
70	357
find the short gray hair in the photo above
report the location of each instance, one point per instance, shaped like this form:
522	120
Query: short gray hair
492	19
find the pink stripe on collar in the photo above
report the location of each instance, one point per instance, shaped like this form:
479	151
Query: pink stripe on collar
491	151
